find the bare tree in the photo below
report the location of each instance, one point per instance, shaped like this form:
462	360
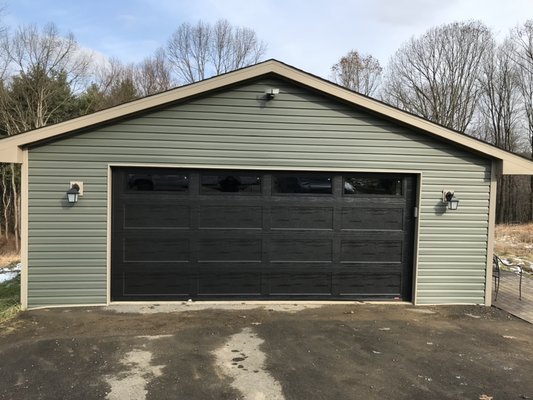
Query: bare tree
358	72
234	47
115	83
7	195
522	38
40	59
153	74
500	118
499	99
435	75
188	51
199	51
4	58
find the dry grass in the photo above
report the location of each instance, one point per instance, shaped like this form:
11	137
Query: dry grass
514	242
8	260
9	313
9	255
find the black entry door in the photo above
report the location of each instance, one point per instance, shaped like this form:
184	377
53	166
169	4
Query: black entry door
210	234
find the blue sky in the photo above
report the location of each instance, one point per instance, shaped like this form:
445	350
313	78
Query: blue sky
309	34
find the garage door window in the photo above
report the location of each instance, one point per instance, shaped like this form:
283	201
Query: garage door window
310	184
231	183
373	186
160	182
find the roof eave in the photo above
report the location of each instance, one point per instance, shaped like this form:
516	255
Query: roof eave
10	152
517	166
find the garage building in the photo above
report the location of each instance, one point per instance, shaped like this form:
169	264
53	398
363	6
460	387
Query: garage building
263	183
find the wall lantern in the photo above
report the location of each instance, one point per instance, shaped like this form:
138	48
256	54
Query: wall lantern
449	198
73	193
271	93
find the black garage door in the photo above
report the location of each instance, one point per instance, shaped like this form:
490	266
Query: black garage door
210	234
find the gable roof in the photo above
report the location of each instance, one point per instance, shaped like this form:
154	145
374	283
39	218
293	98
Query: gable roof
511	164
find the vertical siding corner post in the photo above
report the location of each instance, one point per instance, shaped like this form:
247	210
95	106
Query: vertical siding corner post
108	235
24	236
494	174
416	236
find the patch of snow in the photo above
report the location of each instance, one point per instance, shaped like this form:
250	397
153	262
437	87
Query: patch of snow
8	274
518	265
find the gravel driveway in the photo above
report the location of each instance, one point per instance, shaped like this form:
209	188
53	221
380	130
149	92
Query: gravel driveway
196	351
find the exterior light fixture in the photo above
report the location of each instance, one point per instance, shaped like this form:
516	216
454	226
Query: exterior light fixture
449	198
271	93
73	193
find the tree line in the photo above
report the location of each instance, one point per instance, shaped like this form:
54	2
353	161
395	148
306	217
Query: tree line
456	75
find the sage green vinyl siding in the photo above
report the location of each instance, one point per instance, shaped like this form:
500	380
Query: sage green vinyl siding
236	128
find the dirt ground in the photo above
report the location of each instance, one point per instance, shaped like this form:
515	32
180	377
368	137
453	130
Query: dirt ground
348	351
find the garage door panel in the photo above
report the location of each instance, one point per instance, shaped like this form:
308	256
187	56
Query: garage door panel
230	217
373	280
372	218
371	250
156	247
223	279
154	280
301	250
230	249
309	218
293	280
160	214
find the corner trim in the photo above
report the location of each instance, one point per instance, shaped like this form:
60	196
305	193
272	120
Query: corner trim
494	173
108	235
24	229
416	238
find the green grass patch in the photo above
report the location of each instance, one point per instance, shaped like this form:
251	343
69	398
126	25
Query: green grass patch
9	299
